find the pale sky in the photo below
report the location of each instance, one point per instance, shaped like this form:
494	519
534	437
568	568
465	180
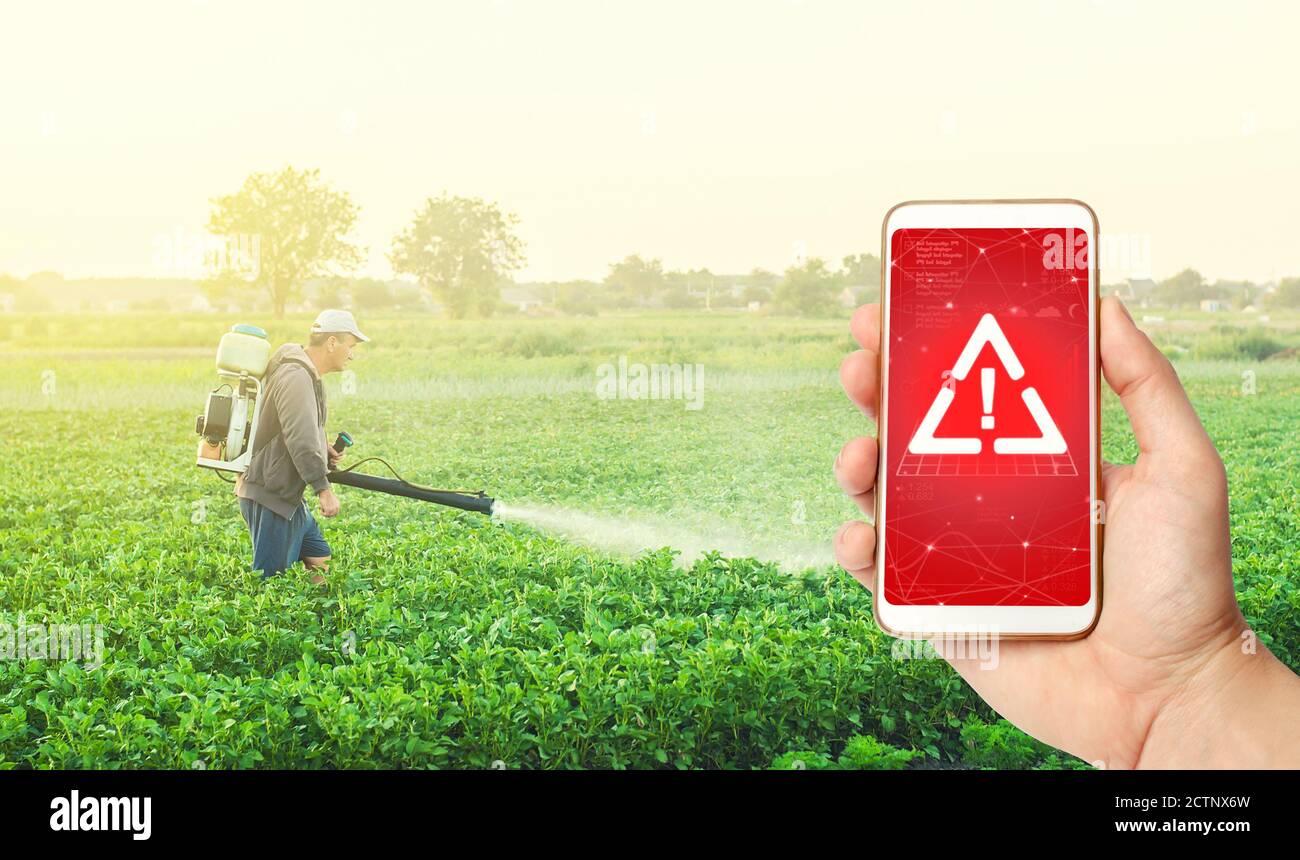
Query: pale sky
726	135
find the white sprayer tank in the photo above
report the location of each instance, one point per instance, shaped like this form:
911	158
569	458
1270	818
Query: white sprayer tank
244	349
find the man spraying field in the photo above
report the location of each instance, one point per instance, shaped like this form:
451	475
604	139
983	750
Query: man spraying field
290	451
265	424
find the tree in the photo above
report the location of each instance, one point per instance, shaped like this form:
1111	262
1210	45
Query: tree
1240	293
460	249
862	270
1188	287
27	296
288	227
1287	294
408	296
46	281
763	278
687	289
371	294
579	298
756	293
808	289
330	293
642	279
862	274
759	285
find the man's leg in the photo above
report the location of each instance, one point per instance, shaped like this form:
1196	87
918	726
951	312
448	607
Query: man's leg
315	553
271	536
316	563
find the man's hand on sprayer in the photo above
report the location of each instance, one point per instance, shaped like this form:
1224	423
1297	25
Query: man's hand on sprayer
334	456
329	503
1171	675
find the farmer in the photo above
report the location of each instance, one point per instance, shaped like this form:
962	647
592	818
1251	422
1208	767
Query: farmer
291	452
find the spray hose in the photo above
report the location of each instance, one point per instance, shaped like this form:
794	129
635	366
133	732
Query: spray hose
476	500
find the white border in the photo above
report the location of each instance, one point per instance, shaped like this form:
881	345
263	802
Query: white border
914	620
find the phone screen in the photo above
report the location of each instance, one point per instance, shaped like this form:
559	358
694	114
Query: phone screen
988	486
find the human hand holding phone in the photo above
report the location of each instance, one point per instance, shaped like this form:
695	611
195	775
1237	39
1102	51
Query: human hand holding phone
1171	675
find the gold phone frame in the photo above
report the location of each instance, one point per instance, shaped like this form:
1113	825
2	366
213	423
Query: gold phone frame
882	418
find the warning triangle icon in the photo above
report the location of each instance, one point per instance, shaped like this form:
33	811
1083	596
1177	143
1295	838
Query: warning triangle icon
987	331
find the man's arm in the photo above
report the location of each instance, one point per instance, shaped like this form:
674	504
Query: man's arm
295	403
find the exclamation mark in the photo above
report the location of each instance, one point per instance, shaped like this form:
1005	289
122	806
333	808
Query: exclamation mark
986	388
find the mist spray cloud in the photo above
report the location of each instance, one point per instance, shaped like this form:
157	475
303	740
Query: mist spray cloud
631	535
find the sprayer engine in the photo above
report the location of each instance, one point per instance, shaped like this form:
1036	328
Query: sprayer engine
229	421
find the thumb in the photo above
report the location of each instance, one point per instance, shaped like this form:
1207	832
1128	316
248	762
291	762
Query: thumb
1164	422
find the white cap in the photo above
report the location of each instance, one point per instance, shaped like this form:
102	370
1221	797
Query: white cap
335	321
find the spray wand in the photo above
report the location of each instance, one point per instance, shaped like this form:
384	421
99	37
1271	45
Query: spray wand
477	501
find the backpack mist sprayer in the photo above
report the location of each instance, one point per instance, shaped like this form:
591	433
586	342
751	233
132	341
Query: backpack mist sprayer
228	426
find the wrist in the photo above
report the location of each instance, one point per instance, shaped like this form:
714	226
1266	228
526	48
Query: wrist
1234	711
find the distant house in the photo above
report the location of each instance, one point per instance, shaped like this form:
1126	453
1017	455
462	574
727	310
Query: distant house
6	303
523	298
200	304
847	298
1211	305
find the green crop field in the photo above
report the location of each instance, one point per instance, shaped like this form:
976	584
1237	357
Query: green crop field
448	640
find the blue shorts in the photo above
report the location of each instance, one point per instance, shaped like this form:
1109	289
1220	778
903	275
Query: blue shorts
277	542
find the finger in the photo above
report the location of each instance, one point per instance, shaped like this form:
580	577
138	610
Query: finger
855	551
860	376
865	326
855	472
1164	422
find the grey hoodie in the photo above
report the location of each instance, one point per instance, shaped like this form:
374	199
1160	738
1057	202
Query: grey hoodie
289	451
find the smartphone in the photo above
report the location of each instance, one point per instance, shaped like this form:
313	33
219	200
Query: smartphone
988	509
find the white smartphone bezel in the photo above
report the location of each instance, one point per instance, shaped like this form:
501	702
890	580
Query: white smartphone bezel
1056	622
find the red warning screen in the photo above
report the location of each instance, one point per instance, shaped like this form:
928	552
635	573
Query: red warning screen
988	491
